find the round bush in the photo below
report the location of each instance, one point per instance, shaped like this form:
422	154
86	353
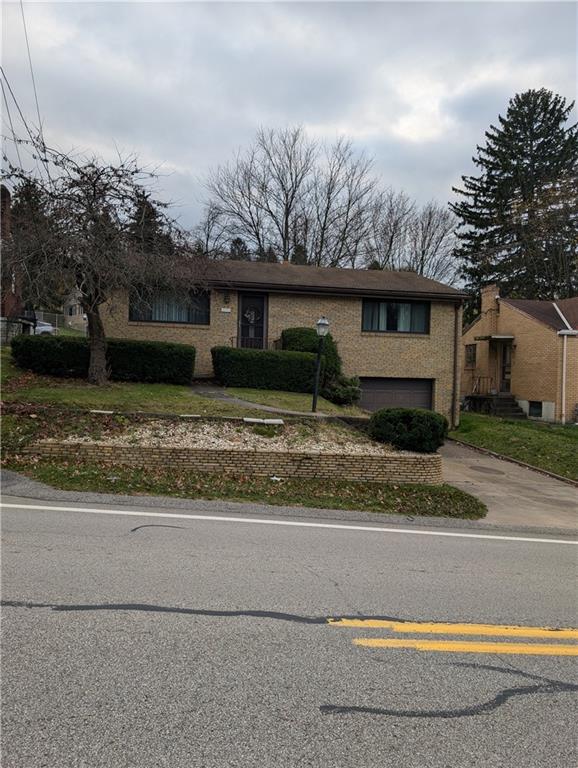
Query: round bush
409	429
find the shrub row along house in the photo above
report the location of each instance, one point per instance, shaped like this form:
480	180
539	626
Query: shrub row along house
397	331
523	352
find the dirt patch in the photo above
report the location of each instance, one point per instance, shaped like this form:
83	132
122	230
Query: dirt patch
307	437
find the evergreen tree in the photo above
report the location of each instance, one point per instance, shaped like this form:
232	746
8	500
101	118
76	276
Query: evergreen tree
519	217
147	228
299	254
238	250
268	256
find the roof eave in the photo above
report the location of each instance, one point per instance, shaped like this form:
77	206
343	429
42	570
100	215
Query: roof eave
333	291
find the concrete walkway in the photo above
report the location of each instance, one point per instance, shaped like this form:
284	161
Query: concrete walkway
514	495
214	392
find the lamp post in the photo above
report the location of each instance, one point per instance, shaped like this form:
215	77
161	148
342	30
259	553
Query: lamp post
322	328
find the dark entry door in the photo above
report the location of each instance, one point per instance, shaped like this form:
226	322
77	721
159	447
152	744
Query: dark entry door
252	320
506	368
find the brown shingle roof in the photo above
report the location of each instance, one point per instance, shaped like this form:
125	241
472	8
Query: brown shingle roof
294	278
545	311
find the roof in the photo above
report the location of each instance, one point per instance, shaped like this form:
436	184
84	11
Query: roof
294	278
545	311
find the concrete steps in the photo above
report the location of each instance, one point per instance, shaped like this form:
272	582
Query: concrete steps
506	407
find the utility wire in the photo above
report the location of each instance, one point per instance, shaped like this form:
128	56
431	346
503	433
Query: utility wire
33	139
14	138
32	72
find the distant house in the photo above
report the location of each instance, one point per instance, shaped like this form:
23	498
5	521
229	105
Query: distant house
11	307
526	350
399	332
74	315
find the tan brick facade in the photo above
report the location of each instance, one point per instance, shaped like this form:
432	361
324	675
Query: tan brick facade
536	364
396	355
393	468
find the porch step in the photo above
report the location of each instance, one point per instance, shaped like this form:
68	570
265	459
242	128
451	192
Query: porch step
507	408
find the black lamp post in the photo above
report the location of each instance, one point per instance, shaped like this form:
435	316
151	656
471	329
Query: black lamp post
322	327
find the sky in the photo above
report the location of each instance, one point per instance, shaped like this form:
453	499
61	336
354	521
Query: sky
185	85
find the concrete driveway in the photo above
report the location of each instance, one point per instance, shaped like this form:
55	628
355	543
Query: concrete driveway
514	495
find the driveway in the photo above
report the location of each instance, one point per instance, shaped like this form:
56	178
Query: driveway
514	495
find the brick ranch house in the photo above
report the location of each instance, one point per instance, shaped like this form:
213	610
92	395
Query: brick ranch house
526	349
397	331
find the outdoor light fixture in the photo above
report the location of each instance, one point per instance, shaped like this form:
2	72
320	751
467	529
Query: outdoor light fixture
322	328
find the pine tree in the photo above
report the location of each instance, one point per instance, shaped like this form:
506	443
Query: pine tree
519	217
238	250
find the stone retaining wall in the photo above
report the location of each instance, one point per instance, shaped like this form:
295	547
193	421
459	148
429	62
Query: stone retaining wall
390	468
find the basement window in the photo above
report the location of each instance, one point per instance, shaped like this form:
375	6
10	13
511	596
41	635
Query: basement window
535	409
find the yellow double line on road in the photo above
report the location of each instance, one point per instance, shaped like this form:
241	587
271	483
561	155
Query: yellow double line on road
463	646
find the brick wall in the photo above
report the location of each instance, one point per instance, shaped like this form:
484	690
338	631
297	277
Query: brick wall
394	468
220	332
400	355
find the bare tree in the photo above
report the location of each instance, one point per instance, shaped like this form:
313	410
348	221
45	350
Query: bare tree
431	242
92	229
213	233
386	246
288	194
338	213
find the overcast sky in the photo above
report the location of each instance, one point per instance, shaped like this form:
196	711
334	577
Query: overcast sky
185	84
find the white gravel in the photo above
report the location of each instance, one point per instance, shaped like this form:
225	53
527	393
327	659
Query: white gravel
306	437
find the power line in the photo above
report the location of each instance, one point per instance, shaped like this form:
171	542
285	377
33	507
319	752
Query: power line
33	139
11	124
32	72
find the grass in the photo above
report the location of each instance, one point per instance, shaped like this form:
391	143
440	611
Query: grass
414	500
66	330
25	387
8	370
292	401
548	446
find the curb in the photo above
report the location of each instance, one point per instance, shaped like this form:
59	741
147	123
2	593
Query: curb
495	455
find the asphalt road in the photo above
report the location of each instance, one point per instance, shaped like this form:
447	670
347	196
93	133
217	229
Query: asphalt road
133	640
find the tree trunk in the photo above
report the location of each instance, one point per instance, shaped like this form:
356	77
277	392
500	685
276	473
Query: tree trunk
97	368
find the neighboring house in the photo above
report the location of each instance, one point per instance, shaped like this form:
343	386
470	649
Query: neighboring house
74	315
526	349
399	332
11	308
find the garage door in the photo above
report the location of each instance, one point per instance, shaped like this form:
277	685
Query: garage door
395	393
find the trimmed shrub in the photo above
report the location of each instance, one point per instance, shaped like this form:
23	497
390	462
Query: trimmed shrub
264	369
52	355
148	361
342	391
307	340
410	429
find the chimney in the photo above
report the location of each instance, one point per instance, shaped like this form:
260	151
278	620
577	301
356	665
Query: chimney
490	295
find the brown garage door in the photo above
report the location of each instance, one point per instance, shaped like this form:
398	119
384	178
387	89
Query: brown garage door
395	393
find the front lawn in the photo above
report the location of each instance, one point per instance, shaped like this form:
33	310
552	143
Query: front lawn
547	446
413	500
26	387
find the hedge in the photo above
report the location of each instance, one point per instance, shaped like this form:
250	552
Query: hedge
148	361
307	340
264	369
410	429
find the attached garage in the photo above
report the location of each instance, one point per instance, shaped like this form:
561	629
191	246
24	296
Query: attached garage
379	393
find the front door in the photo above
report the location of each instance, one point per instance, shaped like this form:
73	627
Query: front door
252	320
506	368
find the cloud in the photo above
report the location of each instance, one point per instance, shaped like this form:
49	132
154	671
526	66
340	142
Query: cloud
186	84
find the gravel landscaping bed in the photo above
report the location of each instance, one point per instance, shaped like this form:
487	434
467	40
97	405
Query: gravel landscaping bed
307	437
